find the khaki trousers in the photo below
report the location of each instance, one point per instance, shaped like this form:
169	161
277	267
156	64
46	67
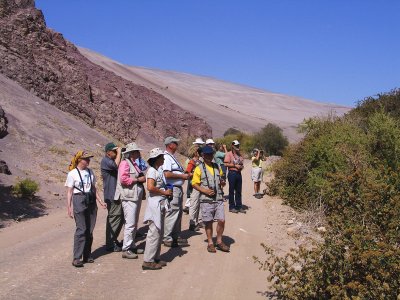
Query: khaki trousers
153	241
173	218
194	209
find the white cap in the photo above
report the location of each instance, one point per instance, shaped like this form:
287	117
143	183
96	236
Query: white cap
235	143
198	141
209	141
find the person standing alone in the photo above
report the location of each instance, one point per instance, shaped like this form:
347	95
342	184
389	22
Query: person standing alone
115	218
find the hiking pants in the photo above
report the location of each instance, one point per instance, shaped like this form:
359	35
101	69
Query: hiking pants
153	241
194	209
173	218
131	214
114	222
235	190
85	220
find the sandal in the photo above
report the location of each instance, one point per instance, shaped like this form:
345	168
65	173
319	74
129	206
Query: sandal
211	248
222	247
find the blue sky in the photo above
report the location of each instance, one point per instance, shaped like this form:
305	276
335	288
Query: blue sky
331	51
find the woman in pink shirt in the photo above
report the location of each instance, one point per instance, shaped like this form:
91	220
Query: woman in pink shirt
130	191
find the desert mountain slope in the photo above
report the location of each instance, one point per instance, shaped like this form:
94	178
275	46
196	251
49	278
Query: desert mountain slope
221	104
40	142
50	67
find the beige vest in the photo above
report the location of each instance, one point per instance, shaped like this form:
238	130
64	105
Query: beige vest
134	192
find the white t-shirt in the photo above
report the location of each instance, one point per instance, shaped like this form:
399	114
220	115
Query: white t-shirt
172	164
73	180
157	176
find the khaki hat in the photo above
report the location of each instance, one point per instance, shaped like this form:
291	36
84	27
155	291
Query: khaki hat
170	140
155	152
131	147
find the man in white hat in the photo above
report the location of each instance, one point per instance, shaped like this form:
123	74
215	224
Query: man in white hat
175	177
130	191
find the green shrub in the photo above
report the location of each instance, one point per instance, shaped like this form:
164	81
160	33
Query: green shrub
232	131
26	188
351	166
271	140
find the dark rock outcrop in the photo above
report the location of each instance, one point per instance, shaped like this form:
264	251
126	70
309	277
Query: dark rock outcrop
3	123
50	67
4	168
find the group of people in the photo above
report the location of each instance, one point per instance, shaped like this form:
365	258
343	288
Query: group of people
127	176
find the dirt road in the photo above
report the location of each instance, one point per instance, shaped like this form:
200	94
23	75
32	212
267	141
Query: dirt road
35	259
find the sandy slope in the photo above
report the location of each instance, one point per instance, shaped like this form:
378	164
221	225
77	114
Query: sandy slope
35	257
222	104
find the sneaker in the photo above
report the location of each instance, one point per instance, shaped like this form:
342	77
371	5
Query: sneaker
182	241
193	227
161	262
129	254
137	250
172	244
114	248
151	266
233	211
241	210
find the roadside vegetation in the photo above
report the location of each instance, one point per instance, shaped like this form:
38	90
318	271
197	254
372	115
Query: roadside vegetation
349	166
270	139
25	188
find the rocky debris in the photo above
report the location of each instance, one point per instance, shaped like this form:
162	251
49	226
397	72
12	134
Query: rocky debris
4	168
50	67
3	123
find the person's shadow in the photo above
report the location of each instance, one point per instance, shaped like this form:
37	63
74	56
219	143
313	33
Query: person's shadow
227	240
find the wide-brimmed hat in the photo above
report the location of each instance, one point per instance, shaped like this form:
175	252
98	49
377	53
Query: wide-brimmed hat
198	141
210	141
207	150
131	147
235	143
155	152
110	146
170	140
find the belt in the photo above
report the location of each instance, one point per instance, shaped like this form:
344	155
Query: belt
177	186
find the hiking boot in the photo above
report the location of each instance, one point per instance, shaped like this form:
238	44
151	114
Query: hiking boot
77	263
241	210
182	242
114	248
172	244
233	210
161	262
193	227
129	254
137	250
151	266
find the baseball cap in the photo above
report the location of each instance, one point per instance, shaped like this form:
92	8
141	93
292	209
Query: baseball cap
209	141
198	141
110	146
207	150
170	140
235	143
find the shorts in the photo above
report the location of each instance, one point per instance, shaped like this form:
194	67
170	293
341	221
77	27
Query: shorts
256	174
211	211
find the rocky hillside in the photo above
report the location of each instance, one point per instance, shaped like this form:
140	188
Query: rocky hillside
50	67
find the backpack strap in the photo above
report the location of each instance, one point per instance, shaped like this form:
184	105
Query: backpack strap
83	186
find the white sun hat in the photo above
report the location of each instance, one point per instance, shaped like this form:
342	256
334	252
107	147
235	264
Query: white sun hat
155	152
210	141
198	141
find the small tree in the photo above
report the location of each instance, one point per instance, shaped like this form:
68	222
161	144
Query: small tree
271	139
26	188
232	131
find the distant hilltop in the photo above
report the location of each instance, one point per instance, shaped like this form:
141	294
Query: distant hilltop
222	104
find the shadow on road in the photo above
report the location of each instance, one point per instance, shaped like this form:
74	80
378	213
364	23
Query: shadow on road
13	208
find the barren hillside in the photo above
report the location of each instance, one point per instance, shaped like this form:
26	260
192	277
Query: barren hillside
220	103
